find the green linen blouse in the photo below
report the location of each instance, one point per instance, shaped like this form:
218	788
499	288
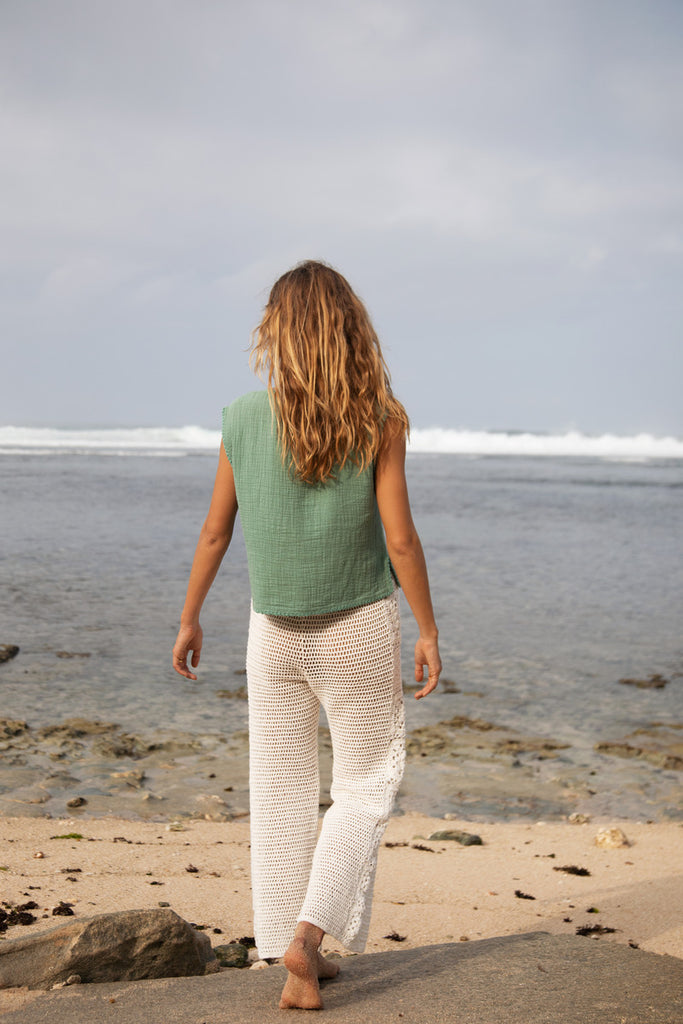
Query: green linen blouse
311	548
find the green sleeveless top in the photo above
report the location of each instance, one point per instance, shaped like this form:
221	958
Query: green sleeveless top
311	548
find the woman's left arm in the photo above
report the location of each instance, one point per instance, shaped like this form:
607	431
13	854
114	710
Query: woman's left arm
405	551
214	540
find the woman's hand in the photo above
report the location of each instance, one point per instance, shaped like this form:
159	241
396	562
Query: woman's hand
427	655
189	639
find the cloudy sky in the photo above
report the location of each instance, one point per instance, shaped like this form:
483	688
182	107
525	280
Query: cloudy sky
500	181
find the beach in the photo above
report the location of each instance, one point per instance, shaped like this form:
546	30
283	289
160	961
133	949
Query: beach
559	712
427	891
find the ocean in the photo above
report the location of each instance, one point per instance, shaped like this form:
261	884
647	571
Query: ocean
556	566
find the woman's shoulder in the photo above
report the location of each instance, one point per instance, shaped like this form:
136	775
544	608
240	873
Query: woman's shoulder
246	421
251	401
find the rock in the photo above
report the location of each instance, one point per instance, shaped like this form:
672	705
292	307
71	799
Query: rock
464	838
125	946
7	652
660	758
258	965
72	654
73	979
120	745
10	727
464	722
611	839
529	745
75	728
63	909
232	954
212	808
239	694
448	686
578	819
134	777
653	682
77	801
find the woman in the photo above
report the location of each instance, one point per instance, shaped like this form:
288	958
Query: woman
316	466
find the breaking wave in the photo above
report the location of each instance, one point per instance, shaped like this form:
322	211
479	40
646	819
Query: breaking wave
191	439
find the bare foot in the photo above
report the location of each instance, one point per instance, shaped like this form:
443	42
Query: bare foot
327	968
305	965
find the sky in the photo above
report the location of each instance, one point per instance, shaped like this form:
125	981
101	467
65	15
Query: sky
501	183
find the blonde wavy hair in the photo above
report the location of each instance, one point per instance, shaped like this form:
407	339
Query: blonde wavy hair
329	386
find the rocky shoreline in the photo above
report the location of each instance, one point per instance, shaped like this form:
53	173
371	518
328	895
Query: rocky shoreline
463	766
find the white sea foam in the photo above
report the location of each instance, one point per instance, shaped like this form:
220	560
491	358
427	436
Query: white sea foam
575	444
116	440
185	440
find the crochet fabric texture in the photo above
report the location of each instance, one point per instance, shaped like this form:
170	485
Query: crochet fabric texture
349	662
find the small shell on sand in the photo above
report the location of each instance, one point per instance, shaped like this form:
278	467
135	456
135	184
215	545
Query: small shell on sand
611	839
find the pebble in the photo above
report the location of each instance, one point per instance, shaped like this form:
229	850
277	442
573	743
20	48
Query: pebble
133	777
578	819
212	807
611	839
77	801
258	965
38	855
8	651
73	979
464	838
232	954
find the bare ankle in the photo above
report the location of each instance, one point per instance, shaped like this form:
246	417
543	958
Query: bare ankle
309	933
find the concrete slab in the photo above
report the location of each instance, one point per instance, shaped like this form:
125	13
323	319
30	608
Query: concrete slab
522	979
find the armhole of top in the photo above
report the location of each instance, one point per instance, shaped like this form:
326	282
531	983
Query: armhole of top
225	438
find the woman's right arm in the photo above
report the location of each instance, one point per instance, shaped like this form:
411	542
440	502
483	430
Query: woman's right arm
405	551
214	539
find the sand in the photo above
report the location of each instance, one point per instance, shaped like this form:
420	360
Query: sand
445	893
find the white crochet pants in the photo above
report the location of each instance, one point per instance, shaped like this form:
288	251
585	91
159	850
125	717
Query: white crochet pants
349	662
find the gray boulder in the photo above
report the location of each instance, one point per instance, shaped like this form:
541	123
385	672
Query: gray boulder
126	946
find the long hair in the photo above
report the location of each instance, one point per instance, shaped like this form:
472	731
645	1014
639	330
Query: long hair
329	386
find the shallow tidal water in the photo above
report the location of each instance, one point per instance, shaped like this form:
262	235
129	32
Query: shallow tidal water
553	578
